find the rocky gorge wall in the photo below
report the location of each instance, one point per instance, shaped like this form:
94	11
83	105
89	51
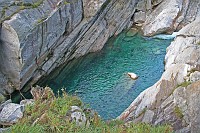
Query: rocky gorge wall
174	99
39	36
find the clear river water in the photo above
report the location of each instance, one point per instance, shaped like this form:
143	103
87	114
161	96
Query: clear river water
100	79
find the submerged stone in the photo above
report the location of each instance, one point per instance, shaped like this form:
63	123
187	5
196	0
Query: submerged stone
132	32
132	76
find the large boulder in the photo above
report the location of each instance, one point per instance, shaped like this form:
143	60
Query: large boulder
162	18
11	113
167	16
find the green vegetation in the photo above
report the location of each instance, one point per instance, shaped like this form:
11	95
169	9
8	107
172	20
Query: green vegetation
48	115
37	4
184	84
41	20
178	112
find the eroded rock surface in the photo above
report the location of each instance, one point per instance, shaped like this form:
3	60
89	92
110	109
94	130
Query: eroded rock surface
165	16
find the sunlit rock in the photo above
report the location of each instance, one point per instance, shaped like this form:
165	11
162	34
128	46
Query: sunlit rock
133	76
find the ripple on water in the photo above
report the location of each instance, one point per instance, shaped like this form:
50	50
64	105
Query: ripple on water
101	80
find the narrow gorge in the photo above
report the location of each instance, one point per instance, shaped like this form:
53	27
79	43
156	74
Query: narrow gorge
101	80
39	38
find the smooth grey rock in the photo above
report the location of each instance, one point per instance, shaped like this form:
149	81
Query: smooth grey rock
162	18
11	113
10	54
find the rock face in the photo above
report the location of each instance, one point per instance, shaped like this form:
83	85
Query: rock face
165	16
174	98
37	37
91	7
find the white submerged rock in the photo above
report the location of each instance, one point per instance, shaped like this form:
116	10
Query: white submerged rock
133	76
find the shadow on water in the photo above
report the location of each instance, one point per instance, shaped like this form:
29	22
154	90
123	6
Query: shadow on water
100	79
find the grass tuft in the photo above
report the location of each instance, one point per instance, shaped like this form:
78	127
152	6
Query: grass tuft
184	84
178	112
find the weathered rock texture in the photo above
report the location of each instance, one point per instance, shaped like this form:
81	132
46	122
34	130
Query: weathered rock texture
37	37
91	7
174	99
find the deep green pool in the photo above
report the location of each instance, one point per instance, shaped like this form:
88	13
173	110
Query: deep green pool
100	79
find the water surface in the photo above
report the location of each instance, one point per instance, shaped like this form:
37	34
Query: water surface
100	79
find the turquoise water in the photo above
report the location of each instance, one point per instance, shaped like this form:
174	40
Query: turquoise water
100	79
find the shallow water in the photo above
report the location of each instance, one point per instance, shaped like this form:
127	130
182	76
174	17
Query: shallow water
101	80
